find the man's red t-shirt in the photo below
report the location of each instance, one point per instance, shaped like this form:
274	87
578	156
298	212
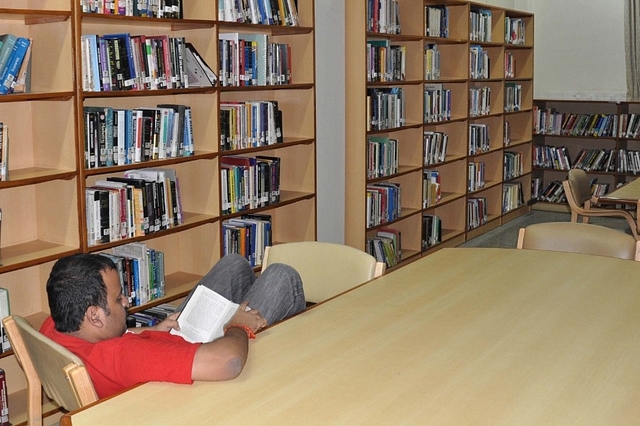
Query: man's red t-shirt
118	363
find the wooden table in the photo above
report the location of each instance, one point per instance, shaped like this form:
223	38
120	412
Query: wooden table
628	194
461	337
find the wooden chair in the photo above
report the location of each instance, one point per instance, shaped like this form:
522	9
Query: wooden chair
50	366
326	269
578	192
583	238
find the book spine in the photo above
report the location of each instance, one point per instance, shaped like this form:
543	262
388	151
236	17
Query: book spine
4	400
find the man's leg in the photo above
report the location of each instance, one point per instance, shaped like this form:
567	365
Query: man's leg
231	277
277	293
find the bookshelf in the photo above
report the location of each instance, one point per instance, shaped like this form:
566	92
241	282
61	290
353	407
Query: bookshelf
43	203
593	135
494	97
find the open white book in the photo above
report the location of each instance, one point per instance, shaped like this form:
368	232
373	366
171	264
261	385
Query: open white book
204	316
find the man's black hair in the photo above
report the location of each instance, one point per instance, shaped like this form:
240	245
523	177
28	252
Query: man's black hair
74	285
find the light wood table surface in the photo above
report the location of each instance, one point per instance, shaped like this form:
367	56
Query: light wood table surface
461	337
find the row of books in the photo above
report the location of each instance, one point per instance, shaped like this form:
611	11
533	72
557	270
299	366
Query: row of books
141	271
385	108
476	212
383	203
547	121
249	182
435	147
513	164
629	126
141	202
4	152
512	97
431	230
512	196
115	62
436	21
603	160
536	188
247	236
386	246
437	103
431	188
551	157
431	62
479	63
246	124
476	180
15	63
479	101
478	138
383	16
515	31
265	12
115	136
507	133
385	61
150	316
252	60
552	193
509	65
141	8
382	156
480	25
629	161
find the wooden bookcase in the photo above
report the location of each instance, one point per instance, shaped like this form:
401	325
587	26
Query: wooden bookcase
455	76
43	203
573	143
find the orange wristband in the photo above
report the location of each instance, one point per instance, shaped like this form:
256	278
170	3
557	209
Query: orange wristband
250	333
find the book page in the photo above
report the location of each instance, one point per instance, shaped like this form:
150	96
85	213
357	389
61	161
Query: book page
204	316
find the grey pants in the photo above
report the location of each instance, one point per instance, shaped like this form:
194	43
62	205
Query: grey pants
277	293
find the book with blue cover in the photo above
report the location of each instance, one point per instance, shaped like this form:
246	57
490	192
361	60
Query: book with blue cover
10	71
8	41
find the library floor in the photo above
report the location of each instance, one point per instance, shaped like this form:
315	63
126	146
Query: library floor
506	236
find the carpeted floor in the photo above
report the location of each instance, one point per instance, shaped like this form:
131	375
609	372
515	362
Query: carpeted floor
506	236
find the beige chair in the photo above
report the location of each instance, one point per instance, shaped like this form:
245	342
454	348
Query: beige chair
326	269
583	238
578	192
50	366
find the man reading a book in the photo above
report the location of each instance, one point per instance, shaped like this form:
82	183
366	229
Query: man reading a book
88	317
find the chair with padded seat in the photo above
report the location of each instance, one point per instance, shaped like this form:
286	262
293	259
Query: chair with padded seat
326	269
579	237
48	365
578	192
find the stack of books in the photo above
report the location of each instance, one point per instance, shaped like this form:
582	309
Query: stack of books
15	61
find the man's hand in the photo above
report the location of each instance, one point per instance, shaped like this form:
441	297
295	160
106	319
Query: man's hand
170	322
249	317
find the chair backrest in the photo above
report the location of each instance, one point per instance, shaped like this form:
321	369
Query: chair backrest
326	269
578	237
50	366
579	186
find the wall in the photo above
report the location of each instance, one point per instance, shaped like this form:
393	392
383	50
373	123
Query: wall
579	54
579	49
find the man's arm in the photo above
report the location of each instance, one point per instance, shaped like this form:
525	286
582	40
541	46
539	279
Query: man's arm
224	358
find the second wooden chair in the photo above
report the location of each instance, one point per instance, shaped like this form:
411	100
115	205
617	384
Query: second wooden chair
583	238
326	269
578	192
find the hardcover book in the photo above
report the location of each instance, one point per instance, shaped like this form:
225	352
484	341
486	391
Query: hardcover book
204	316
